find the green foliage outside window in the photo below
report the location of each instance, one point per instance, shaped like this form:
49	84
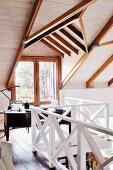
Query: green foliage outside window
25	78
47	80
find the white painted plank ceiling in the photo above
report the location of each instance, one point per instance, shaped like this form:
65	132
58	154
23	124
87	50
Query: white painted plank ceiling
14	15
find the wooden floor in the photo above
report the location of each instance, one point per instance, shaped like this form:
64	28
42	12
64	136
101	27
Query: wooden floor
23	157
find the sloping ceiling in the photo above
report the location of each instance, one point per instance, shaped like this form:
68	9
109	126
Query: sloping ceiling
82	37
14	15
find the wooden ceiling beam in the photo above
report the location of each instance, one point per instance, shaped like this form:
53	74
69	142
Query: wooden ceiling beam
95	43
58	52
102	34
49	31
17	58
65	43
71	38
75	68
59	22
74	30
83	29
63	49
80	62
33	16
106	43
110	82
34	13
99	71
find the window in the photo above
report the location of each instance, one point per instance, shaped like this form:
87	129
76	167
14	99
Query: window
25	78
47	80
38	79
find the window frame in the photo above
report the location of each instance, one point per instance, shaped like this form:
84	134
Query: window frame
36	61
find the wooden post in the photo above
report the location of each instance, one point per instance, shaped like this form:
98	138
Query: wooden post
106	114
81	152
33	128
51	140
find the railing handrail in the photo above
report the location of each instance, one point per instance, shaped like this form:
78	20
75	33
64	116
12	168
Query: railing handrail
86	104
74	105
80	99
82	128
84	124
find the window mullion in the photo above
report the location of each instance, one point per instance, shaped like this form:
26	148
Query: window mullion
36	84
38	87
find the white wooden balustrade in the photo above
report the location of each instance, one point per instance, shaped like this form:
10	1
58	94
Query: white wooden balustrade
96	113
51	139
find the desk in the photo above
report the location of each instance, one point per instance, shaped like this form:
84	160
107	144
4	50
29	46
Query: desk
16	119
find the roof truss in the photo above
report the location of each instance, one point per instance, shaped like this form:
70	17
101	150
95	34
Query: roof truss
83	30
42	35
99	37
58	23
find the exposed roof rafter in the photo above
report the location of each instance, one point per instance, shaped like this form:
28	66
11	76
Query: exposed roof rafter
102	34
58	52
84	57
27	31
49	31
58	23
63	49
110	82
32	18
65	43
83	30
106	43
99	71
71	38
77	32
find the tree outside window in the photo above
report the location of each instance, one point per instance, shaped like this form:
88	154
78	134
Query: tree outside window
38	80
25	78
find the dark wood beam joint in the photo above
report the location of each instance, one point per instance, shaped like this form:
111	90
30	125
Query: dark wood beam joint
92	46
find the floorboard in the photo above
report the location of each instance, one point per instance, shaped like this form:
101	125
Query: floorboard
23	157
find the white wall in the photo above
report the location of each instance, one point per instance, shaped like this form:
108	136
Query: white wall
4	102
97	94
68	63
